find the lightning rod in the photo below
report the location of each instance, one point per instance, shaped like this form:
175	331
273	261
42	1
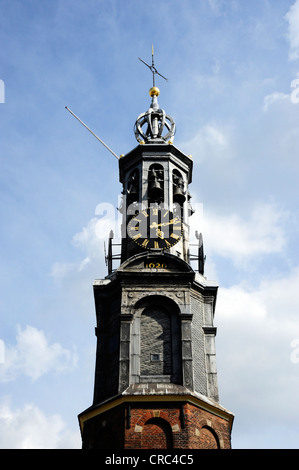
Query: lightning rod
103	143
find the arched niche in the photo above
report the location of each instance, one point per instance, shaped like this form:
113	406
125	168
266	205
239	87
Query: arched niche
156	434
156	354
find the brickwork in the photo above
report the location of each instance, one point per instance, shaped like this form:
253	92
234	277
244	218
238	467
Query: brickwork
151	428
156	434
169	427
156	426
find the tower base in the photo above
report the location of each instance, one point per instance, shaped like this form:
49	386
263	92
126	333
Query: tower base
156	416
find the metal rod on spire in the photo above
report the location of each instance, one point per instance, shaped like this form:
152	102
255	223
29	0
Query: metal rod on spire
153	65
92	132
153	68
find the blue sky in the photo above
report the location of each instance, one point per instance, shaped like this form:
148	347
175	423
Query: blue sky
230	66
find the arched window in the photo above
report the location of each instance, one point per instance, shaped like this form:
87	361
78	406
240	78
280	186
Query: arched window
133	187
156	434
178	188
208	439
155	342
157	332
156	183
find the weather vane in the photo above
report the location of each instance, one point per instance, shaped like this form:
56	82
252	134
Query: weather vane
155	119
153	68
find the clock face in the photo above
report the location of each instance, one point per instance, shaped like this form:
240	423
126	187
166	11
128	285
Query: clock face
155	228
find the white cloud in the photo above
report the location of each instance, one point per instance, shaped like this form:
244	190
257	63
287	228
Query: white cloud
259	319
292	18
257	333
90	240
30	428
273	98
33	356
86	241
238	238
237	302
211	141
60	270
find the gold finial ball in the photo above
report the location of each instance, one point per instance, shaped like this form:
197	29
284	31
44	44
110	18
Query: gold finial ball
154	91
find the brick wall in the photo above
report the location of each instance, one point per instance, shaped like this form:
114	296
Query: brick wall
167	427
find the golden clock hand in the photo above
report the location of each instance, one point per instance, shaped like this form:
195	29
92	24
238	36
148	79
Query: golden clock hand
162	224
154	225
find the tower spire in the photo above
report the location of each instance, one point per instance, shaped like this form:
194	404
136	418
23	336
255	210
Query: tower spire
155	119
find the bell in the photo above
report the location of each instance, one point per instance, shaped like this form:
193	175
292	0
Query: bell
155	190
178	193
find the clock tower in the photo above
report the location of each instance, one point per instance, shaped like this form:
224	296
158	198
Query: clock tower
155	374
